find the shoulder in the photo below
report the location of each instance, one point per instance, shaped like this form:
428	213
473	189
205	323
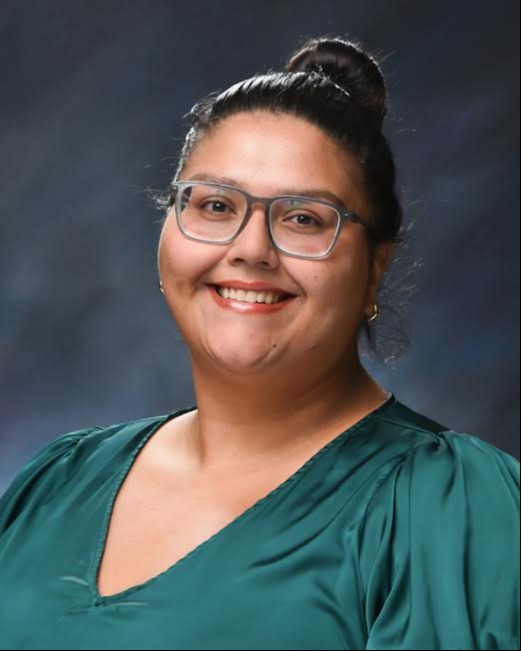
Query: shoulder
438	464
57	462
455	478
433	444
446	462
38	472
443	490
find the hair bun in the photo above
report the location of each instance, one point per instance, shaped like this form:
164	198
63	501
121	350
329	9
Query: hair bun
349	66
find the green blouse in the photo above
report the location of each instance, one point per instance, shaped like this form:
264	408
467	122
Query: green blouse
397	534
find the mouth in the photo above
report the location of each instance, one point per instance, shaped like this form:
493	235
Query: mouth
247	307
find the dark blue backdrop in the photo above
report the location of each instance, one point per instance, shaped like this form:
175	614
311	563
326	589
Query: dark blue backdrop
92	97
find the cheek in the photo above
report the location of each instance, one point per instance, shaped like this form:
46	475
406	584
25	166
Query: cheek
339	293
181	261
351	271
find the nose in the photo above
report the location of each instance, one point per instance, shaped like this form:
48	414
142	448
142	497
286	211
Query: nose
254	242
259	215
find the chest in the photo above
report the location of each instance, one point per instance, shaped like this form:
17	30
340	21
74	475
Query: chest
161	513
157	520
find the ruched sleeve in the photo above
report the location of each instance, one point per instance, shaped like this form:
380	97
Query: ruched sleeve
444	528
30	486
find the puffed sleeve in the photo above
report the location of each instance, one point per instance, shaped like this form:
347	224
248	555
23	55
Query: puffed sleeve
27	486
446	565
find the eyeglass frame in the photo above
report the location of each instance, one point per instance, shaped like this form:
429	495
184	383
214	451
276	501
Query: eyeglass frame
343	214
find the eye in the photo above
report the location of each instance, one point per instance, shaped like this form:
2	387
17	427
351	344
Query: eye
317	222
215	202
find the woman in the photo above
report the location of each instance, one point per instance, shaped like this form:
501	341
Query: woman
299	504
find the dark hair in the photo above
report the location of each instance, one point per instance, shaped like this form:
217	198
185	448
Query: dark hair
337	85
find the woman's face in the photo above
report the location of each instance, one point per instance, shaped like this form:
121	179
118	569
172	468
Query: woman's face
264	152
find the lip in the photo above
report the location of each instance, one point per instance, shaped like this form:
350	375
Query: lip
252	286
248	308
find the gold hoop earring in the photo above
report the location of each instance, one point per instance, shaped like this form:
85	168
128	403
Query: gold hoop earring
375	313
161	286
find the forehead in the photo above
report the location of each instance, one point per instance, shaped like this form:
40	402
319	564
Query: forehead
265	152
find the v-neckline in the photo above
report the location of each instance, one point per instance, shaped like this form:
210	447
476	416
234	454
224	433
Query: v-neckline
100	600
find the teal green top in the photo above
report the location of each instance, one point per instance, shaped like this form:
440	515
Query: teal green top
397	534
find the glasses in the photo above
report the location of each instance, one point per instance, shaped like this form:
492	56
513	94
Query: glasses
297	226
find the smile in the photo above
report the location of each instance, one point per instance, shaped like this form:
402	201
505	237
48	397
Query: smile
250	307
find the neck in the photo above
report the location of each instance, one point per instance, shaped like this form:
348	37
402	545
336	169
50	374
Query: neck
242	421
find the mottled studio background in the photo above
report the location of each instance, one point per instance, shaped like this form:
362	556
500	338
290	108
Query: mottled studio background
91	105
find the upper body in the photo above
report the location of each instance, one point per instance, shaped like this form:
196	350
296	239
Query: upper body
259	526
397	534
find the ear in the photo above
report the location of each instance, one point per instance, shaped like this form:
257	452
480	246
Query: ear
382	257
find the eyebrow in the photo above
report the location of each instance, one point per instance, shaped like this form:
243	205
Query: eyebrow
312	194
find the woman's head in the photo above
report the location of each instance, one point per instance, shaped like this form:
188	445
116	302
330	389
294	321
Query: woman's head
315	126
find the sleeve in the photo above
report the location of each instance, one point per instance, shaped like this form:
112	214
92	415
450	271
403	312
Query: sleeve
446	564
24	488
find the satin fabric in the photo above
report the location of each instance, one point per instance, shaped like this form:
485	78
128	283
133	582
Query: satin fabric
398	534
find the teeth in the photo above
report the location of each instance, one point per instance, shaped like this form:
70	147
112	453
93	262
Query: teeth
249	296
